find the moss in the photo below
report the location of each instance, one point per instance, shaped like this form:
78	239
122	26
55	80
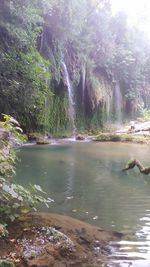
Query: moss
134	138
41	140
33	136
133	162
4	263
108	137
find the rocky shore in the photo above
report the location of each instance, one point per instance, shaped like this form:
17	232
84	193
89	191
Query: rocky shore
51	240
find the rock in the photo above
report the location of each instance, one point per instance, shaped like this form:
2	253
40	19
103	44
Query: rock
76	245
121	137
35	136
107	137
45	260
42	140
80	137
136	127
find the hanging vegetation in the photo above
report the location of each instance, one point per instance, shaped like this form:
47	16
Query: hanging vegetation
99	49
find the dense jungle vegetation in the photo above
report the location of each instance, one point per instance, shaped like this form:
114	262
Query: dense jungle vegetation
99	49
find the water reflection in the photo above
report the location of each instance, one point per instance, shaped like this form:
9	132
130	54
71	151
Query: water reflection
86	182
134	252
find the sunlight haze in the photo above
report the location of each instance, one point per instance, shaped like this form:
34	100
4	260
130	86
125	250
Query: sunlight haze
137	12
131	7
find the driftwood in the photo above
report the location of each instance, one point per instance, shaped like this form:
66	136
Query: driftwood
133	162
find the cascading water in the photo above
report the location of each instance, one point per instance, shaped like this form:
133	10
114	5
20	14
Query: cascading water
83	83
118	102
71	110
46	111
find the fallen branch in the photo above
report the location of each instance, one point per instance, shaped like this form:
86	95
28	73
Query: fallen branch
133	162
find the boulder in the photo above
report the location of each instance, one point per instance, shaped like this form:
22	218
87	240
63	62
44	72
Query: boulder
80	137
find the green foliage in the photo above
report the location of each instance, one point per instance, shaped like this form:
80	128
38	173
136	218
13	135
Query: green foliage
5	263
58	115
25	87
20	23
107	137
23	72
144	115
87	36
112	137
13	127
15	199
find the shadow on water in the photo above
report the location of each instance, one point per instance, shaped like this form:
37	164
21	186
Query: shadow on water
86	182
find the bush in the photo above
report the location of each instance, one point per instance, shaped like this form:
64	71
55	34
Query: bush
14	198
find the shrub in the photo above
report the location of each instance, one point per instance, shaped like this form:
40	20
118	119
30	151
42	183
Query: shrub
14	198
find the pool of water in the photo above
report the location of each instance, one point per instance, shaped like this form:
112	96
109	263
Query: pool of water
86	182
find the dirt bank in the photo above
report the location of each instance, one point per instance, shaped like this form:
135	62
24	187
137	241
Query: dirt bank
51	240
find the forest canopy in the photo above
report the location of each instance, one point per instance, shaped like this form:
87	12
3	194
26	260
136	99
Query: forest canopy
103	55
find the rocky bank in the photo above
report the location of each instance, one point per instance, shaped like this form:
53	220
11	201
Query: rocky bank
51	240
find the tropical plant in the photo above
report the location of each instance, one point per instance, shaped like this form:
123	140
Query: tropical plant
15	199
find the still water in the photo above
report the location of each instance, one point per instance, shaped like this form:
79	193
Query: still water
86	182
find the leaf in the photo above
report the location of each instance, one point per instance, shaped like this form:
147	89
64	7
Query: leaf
38	188
24	211
12	217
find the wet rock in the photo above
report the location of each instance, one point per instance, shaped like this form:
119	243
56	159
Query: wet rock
38	243
42	140
135	127
121	137
45	260
80	137
31	251
107	137
45	240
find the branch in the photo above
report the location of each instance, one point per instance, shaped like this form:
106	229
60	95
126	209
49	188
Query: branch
133	162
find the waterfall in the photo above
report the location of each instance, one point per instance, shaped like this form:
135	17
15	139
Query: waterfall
41	42
83	83
71	110
46	111
118	103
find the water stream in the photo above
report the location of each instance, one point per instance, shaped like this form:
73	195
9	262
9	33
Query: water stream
118	103
83	83
86	182
71	110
